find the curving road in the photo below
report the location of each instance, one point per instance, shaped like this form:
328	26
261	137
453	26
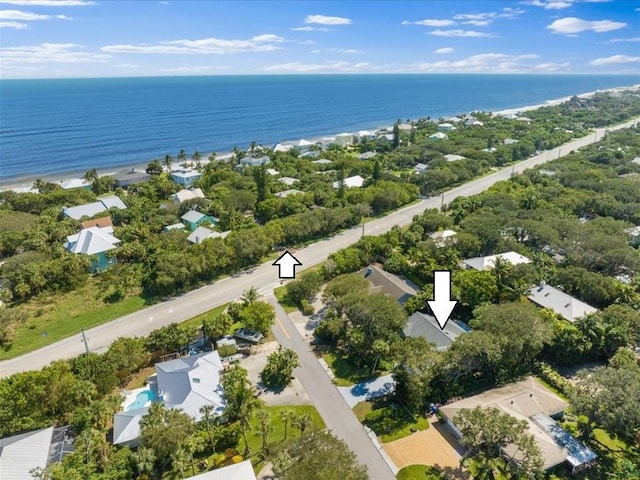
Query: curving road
265	276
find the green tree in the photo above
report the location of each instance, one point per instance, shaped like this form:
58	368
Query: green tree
417	366
318	456
265	428
167	162
287	416
214	328
154	168
90	176
240	398
303	422
144	459
278	372
258	317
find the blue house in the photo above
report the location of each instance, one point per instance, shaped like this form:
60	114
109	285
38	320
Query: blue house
193	219
96	242
185	178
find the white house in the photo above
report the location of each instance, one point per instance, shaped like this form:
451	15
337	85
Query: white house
94	208
563	304
96	242
288	180
286	193
453	158
446	127
201	234
238	471
343	139
438	136
350	182
367	155
76	183
487	263
184	195
420	167
442	237
255	162
187	383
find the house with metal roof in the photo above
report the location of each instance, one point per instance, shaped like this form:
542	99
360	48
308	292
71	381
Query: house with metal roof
130	176
21	453
186	178
201	234
288	180
563	304
249	161
75	183
438	136
442	237
187	383
350	182
532	402
238	471
488	262
96	242
193	219
91	209
185	194
426	326
286	193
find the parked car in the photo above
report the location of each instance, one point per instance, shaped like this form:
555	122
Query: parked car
248	335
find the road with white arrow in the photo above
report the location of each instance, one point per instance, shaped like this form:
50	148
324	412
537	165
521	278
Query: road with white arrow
265	277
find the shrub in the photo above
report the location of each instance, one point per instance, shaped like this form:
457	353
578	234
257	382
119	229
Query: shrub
307	308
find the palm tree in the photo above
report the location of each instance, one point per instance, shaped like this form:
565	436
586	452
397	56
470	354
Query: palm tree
250	296
208	421
264	430
90	175
191	446
287	416
168	160
182	156
303	422
144	459
246	403
196	157
215	328
501	270
179	461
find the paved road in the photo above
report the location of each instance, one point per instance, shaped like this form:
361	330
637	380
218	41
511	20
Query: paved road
265	276
333	409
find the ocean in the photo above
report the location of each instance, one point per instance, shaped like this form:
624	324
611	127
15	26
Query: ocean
52	128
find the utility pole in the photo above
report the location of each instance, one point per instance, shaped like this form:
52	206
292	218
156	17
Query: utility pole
84	340
363	228
442	202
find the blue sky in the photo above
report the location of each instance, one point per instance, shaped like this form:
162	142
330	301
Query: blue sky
82	38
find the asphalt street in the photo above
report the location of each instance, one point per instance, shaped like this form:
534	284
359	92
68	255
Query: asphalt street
264	277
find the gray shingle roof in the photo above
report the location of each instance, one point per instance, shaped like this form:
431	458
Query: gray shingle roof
561	303
426	326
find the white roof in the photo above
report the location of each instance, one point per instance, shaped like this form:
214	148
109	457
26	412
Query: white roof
344	134
632	231
453	158
279	147
74	183
239	471
286	193
439	135
92	241
636	160
445	125
509	141
322	161
405	126
272	171
126	425
350	182
561	303
21	453
186	174
202	233
189	383
175	226
184	195
94	208
442	234
192	216
288	180
420	167
304	143
487	263
255	161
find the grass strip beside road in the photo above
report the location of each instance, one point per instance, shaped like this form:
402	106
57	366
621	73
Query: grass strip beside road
392	423
419	472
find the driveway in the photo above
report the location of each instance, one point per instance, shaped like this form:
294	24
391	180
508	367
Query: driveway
434	446
368	390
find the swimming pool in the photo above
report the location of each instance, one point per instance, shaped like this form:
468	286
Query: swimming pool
143	399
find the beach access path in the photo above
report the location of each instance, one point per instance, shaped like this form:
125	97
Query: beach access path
265	277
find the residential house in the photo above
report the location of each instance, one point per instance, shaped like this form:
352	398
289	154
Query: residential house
237	471
187	383
523	119
437	136
201	234
96	242
446	127
286	193
250	161
22	453
472	122
366	134
532	402
75	183
453	158
193	219
350	182
420	167
280	147
303	145
272	171
310	154
130	176
185	177
101	222
405	127
184	195
91	209
288	180
634	235
636	161
487	263
321	161
389	284
509	141
343	139
563	304
367	155
443	237
427	327
175	226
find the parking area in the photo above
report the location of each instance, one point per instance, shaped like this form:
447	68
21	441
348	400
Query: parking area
435	446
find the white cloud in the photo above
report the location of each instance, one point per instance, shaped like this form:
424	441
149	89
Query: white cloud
328	67
310	29
195	69
14	25
460	33
431	22
573	25
50	53
28	16
444	50
50	3
558	4
615	59
324	20
346	50
306	42
630	39
268	37
489	63
260	43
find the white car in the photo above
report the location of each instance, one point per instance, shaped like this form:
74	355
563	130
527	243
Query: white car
248	335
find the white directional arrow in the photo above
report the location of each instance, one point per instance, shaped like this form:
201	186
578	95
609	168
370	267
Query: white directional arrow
442	305
287	264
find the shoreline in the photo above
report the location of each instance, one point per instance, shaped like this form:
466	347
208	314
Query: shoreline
25	183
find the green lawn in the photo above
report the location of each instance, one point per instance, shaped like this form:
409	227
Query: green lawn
419	472
213	313
389	423
283	299
346	373
616	446
59	315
